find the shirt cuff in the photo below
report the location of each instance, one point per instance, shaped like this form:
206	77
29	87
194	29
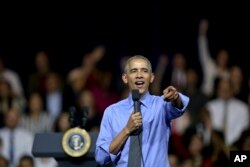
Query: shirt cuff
112	156
184	101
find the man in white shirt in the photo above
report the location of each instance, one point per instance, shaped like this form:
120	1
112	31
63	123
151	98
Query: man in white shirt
16	141
228	114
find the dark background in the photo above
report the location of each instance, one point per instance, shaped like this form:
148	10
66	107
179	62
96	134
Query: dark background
68	31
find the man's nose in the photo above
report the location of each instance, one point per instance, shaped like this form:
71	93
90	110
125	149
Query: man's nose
139	74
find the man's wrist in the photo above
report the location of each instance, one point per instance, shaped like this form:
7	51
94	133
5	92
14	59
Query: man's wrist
177	102
126	131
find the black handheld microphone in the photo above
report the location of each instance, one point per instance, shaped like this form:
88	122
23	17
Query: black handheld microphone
73	117
137	108
136	98
84	117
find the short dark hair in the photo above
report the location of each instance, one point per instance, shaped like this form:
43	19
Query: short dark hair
4	160
137	57
27	157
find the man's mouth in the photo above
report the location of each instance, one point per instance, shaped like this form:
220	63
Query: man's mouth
139	84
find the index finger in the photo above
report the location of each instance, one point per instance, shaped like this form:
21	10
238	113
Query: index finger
169	89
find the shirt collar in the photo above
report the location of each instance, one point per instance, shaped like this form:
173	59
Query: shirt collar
145	100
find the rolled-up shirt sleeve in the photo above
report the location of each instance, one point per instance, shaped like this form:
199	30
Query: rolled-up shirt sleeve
173	112
102	154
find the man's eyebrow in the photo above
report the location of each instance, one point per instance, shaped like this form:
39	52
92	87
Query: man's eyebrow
143	68
134	69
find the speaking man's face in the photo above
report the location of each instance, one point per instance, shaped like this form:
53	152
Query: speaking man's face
138	75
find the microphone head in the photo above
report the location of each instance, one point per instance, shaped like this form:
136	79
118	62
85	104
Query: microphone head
73	117
84	117
135	95
85	111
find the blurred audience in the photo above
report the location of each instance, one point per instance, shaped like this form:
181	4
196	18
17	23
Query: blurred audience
213	69
62	123
36	120
12	78
238	83
26	161
16	141
197	98
37	79
3	161
9	100
175	73
228	114
54	94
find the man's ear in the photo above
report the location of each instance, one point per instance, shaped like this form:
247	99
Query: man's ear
152	77
125	78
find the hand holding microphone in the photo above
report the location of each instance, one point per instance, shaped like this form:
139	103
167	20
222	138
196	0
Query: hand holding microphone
134	124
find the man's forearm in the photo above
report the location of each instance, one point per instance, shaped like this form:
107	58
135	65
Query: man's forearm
118	141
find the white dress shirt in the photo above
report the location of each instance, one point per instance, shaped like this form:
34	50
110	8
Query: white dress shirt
237	117
23	141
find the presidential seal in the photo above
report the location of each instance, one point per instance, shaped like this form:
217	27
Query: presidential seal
76	142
